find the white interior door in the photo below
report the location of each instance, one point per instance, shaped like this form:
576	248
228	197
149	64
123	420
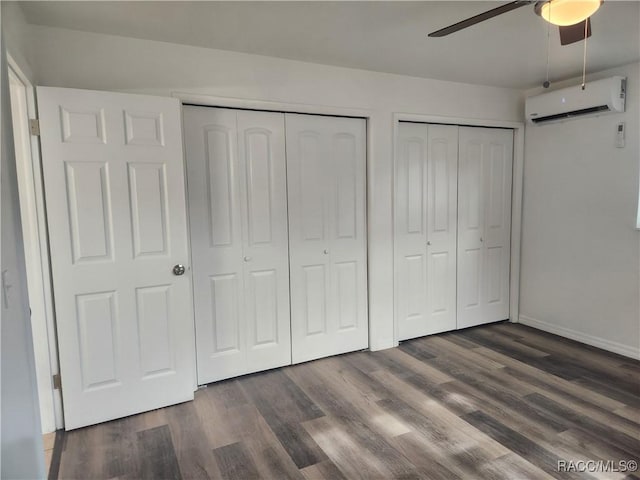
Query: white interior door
326	175
114	181
425	229
484	225
238	221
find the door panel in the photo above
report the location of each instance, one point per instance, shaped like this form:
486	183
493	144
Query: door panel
83	125
117	225
260	177
226	320
426	227
309	189
327	233
411	233
348	188
498	226
315	299
484	223
494	274
219	157
411	296
442	205
347	290
438	292
216	240
90	211
414	174
470	273
264	307
147	189
261	151
154	305
99	344
346	191
238	212
470	222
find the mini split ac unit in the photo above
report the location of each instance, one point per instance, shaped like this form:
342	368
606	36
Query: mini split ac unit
601	96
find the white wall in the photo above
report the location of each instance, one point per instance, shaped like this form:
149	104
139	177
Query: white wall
68	58
580	250
16	32
21	447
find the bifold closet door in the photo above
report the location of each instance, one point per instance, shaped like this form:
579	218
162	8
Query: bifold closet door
238	220
484	225
425	229
326	173
114	182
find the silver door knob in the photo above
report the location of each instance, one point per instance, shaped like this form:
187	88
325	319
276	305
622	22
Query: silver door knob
247	259
428	242
179	269
481	239
326	252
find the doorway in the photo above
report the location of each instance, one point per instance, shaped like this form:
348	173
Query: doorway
33	218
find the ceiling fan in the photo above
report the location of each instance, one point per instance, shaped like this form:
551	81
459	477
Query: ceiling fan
572	17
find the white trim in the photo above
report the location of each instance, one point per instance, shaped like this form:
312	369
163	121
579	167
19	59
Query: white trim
33	215
598	342
517	189
255	104
516	194
471	122
264	105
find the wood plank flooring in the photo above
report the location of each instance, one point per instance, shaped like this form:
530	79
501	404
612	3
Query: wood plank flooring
502	401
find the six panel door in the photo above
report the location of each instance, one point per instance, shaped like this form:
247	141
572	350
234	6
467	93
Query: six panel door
326	175
114	183
238	220
484	225
425	229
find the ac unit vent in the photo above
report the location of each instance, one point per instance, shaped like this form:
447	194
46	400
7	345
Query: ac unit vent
599	97
576	113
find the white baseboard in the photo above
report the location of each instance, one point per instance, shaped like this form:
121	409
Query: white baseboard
615	347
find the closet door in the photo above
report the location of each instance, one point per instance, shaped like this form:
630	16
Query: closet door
261	150
425	229
237	210
484	225
326	170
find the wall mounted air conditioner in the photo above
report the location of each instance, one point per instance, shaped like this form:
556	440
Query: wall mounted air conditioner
601	96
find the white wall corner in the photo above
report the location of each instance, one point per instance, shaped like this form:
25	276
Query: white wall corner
610	346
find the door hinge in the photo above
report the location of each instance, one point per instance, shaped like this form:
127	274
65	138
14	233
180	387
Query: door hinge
34	126
57	382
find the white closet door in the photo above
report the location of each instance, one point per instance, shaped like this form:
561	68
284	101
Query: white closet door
265	240
484	225
326	174
238	222
114	182
425	230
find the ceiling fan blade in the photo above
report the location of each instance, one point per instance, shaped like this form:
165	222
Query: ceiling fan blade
574	33
480	18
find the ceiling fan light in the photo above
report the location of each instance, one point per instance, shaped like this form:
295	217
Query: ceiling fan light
567	12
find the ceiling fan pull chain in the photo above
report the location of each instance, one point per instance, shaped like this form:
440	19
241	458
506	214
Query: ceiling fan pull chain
546	82
584	58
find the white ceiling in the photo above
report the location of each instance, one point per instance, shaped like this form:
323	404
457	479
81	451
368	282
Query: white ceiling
509	50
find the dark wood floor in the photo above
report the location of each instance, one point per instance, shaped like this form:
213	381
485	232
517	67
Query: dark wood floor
500	402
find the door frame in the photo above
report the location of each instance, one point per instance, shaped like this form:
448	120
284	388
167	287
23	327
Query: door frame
36	243
205	100
516	196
